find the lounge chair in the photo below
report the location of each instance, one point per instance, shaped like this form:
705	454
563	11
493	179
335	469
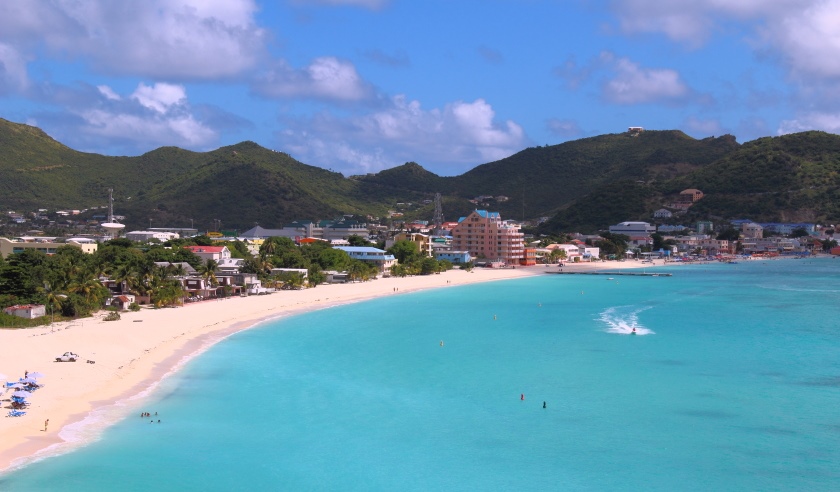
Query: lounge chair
16	413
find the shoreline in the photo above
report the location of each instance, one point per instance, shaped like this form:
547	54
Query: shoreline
81	400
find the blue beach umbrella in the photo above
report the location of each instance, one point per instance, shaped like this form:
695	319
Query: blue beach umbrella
36	374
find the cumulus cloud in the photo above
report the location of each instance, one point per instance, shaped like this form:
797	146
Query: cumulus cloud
815	120
803	34
326	78
451	139
172	39
102	120
633	84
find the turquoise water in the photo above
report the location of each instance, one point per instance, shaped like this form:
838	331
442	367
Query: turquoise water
733	383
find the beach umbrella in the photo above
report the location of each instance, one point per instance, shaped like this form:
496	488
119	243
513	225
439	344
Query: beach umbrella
36	374
22	394
28	380
16	385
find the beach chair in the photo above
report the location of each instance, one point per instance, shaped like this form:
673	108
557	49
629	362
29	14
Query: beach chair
16	413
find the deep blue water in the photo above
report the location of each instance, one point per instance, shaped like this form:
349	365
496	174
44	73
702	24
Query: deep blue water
733	383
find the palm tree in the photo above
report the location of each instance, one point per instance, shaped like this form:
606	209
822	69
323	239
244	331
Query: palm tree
208	272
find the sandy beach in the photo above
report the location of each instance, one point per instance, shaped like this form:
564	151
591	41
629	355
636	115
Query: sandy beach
132	354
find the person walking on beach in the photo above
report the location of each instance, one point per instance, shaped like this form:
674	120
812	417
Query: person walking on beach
46	423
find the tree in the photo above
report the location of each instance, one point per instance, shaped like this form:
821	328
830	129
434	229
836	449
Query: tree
799	232
208	272
429	265
405	251
356	240
730	234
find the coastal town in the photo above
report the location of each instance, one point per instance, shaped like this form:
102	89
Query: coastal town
183	265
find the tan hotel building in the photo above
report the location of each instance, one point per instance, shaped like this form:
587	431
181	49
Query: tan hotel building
484	235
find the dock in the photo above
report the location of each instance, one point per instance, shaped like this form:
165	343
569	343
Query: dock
611	274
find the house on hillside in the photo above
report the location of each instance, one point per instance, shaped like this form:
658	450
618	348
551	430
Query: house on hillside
215	253
663	213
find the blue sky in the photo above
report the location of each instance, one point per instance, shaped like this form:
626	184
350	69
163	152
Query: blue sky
358	86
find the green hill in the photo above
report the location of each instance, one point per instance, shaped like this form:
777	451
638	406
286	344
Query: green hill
585	184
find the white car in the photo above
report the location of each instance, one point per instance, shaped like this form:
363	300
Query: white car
67	357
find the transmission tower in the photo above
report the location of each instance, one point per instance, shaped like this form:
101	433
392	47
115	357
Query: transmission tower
438	219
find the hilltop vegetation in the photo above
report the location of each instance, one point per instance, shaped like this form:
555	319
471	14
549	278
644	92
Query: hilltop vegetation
582	185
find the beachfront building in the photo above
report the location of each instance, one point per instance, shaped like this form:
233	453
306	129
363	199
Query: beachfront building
215	253
485	235
28	311
47	245
630	228
380	258
454	257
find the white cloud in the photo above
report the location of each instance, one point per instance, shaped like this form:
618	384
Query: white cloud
160	97
13	77
456	137
173	39
108	93
632	84
803	33
325	78
828	122
149	131
99	119
809	39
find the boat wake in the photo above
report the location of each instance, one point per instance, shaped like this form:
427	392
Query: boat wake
623	319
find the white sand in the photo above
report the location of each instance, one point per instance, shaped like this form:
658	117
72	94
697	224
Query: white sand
133	354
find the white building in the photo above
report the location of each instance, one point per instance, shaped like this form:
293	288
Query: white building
633	228
144	236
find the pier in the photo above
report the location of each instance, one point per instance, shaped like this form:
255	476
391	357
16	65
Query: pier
611	274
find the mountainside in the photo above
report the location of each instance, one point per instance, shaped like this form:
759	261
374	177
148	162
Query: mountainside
791	178
583	185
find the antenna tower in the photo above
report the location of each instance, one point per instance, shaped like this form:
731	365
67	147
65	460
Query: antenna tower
438	219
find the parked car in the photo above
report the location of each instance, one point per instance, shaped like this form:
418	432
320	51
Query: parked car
67	357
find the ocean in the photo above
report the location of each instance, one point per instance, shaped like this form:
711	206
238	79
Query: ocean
732	382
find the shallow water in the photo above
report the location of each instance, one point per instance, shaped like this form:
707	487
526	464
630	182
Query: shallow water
731	383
